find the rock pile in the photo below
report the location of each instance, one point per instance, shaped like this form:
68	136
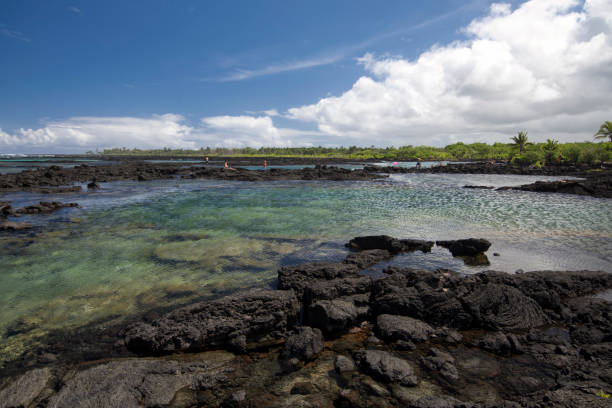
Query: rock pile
414	338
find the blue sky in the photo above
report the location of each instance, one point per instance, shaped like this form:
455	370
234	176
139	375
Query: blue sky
191	73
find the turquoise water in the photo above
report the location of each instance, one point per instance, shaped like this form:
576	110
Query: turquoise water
134	246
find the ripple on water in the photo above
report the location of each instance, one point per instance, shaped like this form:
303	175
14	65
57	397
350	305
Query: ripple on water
140	246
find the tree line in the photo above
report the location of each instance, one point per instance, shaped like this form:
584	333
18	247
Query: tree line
529	153
520	151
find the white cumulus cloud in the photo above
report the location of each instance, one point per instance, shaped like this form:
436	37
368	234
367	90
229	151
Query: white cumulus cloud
252	131
545	66
78	134
81	133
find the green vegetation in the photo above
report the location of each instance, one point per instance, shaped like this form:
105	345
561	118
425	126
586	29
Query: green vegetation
521	141
605	131
531	154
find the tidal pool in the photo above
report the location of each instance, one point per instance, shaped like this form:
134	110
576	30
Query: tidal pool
135	247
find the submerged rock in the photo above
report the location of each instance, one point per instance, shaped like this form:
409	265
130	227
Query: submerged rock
442	362
44	207
14	226
251	316
501	343
305	344
386	367
93	185
6	209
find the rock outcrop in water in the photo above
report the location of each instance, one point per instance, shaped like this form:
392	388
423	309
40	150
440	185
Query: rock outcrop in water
466	247
597	185
44	207
486	168
413	338
56	179
390	244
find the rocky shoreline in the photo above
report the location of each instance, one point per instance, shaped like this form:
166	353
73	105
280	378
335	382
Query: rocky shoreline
329	336
596	185
55	179
596	182
482	167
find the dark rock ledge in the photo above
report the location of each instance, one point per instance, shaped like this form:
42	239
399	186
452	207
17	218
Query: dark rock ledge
331	337
62	180
44	207
597	185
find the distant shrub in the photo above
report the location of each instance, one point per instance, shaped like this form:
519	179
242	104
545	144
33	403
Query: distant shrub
590	155
529	158
571	153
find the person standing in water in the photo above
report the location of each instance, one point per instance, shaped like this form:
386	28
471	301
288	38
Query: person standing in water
265	164
206	159
225	165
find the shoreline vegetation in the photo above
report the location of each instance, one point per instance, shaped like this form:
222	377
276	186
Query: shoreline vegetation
520	152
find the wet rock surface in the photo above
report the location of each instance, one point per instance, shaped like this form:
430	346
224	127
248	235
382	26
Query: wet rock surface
413	338
14	226
390	244
442	362
466	247
43	207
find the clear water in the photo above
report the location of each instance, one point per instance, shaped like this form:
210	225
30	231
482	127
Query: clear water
134	246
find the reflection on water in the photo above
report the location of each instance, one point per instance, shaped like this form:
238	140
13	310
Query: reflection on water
137	246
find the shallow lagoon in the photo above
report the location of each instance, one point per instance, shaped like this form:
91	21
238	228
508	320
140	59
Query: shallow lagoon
134	246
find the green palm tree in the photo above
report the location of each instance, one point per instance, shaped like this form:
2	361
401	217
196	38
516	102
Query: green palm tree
551	149
521	140
605	131
551	145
